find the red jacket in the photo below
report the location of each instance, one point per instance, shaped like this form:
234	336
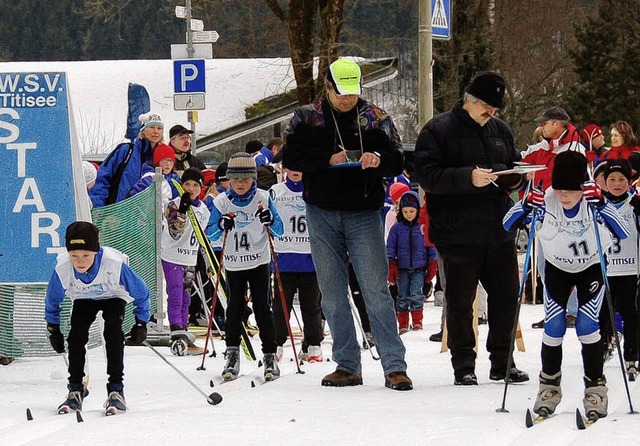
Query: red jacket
621	152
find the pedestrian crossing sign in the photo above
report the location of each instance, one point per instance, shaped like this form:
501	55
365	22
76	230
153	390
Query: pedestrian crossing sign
441	19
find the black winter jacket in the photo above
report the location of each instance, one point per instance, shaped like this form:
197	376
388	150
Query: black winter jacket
449	147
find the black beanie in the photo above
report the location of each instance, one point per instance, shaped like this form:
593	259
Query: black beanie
488	87
569	171
253	146
82	235
194	174
617	165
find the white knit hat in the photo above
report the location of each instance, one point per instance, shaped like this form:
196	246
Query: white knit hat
149	119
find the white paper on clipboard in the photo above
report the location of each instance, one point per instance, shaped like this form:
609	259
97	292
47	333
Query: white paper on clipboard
521	169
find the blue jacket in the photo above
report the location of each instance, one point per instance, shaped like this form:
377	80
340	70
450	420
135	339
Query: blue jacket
146	181
406	242
142	153
265	157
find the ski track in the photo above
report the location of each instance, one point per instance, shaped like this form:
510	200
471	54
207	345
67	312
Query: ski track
164	409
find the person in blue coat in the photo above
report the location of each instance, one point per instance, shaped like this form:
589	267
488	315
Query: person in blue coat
123	167
96	279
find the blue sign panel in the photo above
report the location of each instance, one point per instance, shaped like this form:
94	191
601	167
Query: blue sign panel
189	76
37	198
441	19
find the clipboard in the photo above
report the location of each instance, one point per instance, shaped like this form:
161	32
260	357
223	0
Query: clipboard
521	169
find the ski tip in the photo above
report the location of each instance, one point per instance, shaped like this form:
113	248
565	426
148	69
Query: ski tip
528	420
211	383
29	416
214	399
79	417
579	420
259	363
253	384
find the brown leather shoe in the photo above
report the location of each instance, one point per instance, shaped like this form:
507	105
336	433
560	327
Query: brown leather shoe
398	381
342	378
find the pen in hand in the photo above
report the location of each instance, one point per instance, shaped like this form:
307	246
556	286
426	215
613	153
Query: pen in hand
492	182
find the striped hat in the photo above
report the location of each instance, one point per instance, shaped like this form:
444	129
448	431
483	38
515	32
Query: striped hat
241	165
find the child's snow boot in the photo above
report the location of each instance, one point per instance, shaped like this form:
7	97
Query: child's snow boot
595	396
549	394
416	319
403	322
232	367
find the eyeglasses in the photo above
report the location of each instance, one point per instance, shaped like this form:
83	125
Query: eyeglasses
487	107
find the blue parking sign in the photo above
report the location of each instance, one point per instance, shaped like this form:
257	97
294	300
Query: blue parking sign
189	76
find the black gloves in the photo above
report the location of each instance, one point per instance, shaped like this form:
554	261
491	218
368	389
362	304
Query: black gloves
138	333
55	337
226	222
265	216
185	203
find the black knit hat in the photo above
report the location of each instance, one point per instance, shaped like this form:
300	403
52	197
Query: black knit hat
569	171
221	172
253	146
194	174
488	87
617	165
241	165
82	235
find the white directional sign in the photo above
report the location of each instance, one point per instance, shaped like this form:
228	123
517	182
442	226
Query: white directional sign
204	36
441	19
197	25
181	12
194	101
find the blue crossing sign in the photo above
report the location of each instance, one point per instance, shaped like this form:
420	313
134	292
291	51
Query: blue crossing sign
189	76
441	19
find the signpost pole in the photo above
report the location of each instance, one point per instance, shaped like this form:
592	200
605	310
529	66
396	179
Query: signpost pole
190	52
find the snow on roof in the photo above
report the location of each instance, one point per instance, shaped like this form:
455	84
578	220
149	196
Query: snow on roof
99	93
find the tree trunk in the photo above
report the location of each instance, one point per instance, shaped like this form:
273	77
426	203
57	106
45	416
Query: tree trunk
302	25
331	20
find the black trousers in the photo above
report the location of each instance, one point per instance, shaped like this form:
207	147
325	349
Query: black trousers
496	267
306	284
82	316
258	279
623	294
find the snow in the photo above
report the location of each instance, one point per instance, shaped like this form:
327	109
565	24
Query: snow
99	92
295	409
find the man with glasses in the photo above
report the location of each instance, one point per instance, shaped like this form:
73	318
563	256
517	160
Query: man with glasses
457	155
345	145
180	140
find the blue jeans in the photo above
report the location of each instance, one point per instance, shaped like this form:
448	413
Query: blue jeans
410	295
335	237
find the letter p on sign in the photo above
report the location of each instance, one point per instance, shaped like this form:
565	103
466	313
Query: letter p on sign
189	76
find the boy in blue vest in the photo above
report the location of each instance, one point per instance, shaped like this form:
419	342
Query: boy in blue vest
96	279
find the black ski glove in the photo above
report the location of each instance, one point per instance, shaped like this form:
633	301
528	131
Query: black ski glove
185	203
265	216
55	337
226	222
138	333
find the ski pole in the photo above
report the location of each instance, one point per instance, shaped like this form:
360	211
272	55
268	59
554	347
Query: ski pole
213	399
607	292
213	301
200	291
356	316
527	259
282	298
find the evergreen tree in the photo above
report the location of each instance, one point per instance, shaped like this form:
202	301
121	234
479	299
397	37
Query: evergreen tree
608	87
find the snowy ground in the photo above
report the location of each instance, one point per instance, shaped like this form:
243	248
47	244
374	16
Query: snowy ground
164	409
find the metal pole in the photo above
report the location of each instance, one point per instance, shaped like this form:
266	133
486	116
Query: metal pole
159	315
190	52
425	66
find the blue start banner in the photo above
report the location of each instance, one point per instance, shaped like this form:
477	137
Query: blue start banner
38	191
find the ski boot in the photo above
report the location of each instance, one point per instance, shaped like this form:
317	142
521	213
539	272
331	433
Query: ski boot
279	353
549	394
115	403
632	370
314	354
180	341
232	367
271	370
73	403
595	397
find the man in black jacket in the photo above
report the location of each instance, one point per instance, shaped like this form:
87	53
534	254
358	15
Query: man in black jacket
345	146
180	140
457	155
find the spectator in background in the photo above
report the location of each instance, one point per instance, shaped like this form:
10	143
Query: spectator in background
123	167
254	148
180	140
222	182
623	141
592	139
268	152
164	158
